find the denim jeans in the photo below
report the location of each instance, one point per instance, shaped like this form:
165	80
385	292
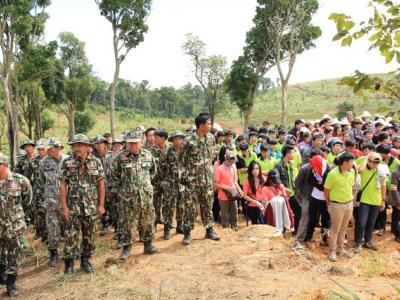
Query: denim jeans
367	215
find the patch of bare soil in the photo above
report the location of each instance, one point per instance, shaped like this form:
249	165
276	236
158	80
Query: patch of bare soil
243	265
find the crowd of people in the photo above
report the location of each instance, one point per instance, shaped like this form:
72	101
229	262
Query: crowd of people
327	173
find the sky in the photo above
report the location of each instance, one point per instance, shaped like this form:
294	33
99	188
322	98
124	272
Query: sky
221	24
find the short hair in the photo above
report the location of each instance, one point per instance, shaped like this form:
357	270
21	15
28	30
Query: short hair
384	149
315	152
202	119
382	136
298	121
286	149
239	139
162	133
369	146
148	130
349	143
325	149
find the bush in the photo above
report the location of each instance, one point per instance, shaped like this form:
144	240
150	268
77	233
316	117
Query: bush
84	121
343	108
47	122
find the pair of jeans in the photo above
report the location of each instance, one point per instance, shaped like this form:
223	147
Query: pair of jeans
317	208
367	215
395	222
381	219
304	220
296	208
255	215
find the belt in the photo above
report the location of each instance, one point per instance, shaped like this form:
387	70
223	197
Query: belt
340	202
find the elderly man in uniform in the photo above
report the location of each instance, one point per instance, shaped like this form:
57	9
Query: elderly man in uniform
15	196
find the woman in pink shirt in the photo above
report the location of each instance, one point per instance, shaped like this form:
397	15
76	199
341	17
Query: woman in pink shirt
252	193
226	181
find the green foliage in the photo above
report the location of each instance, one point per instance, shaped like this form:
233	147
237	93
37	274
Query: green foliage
48	122
84	121
348	290
343	108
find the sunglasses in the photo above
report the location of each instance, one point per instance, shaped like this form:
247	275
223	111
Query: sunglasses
374	162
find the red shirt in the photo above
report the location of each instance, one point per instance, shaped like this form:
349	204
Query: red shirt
270	192
225	175
259	193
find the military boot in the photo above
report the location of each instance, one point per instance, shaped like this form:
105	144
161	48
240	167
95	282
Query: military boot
53	258
211	234
3	275
12	290
186	237
126	251
105	230
167	232
150	249
179	228
86	266
69	266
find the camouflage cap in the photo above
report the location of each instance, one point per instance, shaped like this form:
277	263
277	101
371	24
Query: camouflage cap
3	159
140	128
119	140
133	137
99	139
41	144
176	134
81	139
27	142
54	142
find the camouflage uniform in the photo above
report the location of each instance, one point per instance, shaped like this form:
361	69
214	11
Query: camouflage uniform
15	196
196	159
49	179
82	198
132	174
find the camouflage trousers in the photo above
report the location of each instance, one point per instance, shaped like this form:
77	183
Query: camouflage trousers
87	225
106	219
39	218
53	223
137	212
11	252
193	196
115	210
172	201
158	202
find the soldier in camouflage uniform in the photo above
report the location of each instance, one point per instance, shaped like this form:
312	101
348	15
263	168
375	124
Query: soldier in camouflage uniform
82	188
49	179
196	156
15	196
39	212
100	151
112	197
171	186
132	171
26	165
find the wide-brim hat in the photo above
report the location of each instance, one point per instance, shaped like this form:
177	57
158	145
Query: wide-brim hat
176	134
27	142
80	139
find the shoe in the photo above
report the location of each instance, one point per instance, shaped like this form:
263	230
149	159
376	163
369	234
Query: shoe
69	266
3	275
53	258
167	232
381	232
297	245
86	266
150	249
371	245
357	248
12	290
332	256
119	245
179	228
126	251
344	253
211	234
186	238
104	231
235	228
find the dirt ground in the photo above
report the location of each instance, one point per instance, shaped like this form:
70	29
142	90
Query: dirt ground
242	265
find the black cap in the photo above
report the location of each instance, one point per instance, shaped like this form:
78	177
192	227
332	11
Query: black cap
220	133
252	133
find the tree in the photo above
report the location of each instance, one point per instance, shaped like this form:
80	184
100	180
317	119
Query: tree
128	21
21	23
343	108
210	71
292	33
383	32
76	88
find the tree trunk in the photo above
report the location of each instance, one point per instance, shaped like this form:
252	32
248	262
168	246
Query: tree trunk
114	84
284	101
249	109
71	122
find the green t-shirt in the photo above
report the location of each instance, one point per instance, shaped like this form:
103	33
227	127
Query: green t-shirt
296	163
392	168
330	158
267	165
243	176
340	185
279	146
371	194
360	160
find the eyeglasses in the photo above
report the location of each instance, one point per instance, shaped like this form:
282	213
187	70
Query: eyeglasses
374	162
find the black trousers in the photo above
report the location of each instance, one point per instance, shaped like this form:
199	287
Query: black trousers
318	208
296	208
381	220
396	221
216	209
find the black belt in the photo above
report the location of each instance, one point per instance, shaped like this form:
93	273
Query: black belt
340	202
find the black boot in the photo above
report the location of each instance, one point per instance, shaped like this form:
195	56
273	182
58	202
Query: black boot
186	237
3	275
211	234
167	232
69	266
179	228
119	244
150	249
105	230
12	290
126	251
86	266
53	258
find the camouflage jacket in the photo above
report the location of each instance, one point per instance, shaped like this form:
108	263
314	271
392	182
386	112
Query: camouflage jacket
81	179
169	168
133	175
15	200
26	167
196	158
37	188
49	176
107	171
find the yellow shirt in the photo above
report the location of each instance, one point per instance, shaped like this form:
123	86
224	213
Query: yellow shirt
340	185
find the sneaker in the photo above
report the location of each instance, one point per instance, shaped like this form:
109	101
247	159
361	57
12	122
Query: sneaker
344	253
357	248
371	245
332	256
297	245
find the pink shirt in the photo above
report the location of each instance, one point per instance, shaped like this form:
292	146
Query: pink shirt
259	193
225	175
